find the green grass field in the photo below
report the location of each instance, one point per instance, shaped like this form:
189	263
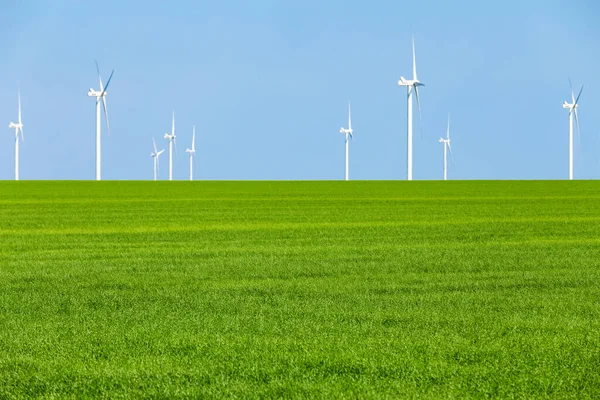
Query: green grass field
300	289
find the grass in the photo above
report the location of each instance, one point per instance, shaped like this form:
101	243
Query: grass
300	289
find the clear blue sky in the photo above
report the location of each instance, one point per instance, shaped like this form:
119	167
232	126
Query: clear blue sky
267	83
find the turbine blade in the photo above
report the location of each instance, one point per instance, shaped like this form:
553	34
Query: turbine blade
154	143
414	60
577	123
105	114
20	122
418	102
173	124
99	77
108	82
19	97
194	138
419	107
448	140
349	117
173	134
576	100
572	94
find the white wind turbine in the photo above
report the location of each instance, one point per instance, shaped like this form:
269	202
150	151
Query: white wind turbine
447	146
572	107
192	152
101	94
349	135
171	139
18	127
155	155
410	86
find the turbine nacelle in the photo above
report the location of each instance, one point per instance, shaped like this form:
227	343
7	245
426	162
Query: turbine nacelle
169	137
96	93
407	82
18	128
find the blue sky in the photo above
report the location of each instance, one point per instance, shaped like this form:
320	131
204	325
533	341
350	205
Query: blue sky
267	83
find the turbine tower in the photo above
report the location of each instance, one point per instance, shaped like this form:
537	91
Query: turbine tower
446	143
155	155
171	139
192	152
100	97
572	107
411	85
18	127
349	135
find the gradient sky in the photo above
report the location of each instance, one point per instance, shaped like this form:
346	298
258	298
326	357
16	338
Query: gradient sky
267	82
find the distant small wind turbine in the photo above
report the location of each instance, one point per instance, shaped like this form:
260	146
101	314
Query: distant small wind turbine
192	152
349	135
572	107
171	139
155	155
446	143
101	94
18	127
410	86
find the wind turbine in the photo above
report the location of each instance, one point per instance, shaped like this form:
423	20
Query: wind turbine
446	143
155	155
171	139
101	94
18	127
192	152
349	135
572	107
411	85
